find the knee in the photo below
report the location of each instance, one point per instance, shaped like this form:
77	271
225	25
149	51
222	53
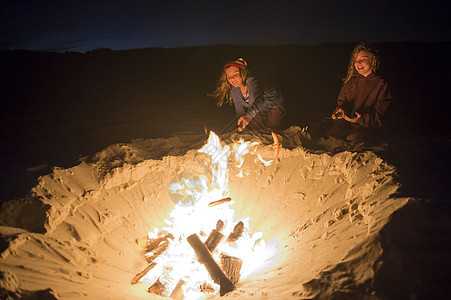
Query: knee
357	136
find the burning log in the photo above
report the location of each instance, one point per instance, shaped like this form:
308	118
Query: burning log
157	251
154	243
156	288
177	293
215	236
204	257
206	288
231	267
156	247
217	202
168	284
236	233
141	274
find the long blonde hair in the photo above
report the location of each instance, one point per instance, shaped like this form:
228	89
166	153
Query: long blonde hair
374	60
223	87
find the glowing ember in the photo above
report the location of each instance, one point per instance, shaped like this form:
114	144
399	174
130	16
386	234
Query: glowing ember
209	209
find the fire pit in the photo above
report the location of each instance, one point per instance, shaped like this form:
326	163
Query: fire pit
311	222
174	268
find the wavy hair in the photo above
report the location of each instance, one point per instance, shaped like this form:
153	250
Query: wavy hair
374	60
223	87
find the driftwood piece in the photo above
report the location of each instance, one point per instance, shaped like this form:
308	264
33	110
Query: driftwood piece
219	225
206	288
213	240
141	274
231	267
204	257
215	236
177	293
236	233
156	288
154	243
158	246
167	285
217	202
157	251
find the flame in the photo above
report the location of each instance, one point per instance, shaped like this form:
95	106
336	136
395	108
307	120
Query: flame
179	261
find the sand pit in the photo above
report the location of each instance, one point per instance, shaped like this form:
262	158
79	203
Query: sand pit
75	235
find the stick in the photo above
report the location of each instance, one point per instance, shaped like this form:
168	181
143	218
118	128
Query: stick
177	293
141	274
154	243
236	233
204	257
276	143
231	266
157	288
320	122
157	251
215	236
217	202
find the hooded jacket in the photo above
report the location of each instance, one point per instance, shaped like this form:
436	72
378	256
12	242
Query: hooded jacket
261	99
369	96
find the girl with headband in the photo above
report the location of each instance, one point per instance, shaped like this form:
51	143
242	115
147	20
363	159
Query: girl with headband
257	107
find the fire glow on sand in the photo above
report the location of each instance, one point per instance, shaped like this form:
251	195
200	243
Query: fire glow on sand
197	212
301	224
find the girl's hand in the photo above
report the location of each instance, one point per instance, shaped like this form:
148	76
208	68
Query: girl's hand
353	120
338	114
243	121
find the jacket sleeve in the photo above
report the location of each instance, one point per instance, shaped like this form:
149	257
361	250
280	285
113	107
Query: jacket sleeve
265	98
343	101
258	93
372	118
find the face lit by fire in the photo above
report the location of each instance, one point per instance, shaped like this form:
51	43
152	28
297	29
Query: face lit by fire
233	76
363	63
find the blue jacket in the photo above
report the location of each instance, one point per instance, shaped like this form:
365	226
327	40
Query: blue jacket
261	99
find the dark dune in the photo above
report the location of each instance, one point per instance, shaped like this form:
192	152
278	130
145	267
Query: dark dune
58	106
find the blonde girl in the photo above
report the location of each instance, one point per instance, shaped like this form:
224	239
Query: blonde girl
257	107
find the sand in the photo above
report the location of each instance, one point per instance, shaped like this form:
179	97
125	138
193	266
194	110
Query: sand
75	235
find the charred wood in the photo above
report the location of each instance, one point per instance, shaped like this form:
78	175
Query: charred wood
204	257
236	233
157	251
167	285
157	288
141	274
177	293
215	236
206	288
231	267
154	243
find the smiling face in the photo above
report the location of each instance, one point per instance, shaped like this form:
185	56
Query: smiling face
233	76
363	63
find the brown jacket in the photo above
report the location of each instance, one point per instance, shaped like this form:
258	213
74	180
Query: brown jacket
369	96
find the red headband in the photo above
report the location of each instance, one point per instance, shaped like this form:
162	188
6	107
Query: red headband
234	64
240	63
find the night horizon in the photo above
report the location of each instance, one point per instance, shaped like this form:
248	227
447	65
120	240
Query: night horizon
120	25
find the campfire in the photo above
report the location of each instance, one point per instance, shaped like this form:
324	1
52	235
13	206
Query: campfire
204	250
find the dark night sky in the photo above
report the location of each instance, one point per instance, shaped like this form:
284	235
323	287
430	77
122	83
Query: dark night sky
81	25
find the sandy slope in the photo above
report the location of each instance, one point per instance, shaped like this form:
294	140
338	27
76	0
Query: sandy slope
76	234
